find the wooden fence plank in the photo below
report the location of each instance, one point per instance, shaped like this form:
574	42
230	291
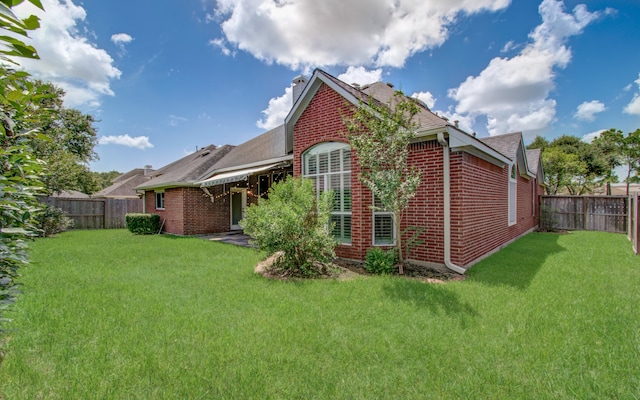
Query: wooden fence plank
96	213
593	213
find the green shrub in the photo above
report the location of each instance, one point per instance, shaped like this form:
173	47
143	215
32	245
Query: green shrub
143	224
379	261
51	220
295	221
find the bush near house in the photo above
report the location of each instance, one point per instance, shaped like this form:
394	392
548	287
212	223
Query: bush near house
143	224
295	221
379	261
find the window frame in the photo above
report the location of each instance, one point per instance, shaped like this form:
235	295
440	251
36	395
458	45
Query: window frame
159	195
378	211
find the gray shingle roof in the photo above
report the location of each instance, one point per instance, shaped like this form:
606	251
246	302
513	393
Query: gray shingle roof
534	158
383	93
506	144
264	147
124	185
187	170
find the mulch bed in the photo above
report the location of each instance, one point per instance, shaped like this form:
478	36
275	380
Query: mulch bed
348	269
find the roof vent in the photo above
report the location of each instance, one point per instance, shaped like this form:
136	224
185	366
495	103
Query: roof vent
356	85
390	84
455	123
445	118
205	153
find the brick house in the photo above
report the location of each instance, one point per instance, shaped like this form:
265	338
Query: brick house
208	191
476	195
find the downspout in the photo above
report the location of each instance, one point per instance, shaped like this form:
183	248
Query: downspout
447	205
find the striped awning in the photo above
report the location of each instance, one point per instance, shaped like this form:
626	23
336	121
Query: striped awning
234	176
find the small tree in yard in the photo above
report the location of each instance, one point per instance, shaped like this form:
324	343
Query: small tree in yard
381	135
295	221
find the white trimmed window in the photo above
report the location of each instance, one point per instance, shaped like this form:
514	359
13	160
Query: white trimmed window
513	184
159	200
328	165
383	225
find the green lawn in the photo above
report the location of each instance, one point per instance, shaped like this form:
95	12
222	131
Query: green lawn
109	315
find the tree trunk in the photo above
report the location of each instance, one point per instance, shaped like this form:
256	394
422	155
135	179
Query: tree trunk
399	243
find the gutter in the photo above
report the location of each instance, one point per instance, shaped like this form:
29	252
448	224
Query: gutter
447	205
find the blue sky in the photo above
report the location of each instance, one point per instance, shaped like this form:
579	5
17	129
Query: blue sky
165	79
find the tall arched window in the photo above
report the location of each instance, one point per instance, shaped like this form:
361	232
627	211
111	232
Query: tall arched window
328	165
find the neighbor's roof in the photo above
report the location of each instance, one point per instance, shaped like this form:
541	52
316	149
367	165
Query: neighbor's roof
187	170
124	185
71	194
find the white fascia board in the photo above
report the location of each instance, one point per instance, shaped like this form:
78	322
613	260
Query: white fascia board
317	79
460	141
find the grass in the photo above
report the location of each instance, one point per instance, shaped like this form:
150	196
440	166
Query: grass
109	315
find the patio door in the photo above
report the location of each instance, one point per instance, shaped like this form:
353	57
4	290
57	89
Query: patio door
238	204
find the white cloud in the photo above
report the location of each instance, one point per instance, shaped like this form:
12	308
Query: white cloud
309	33
175	120
221	44
426	97
588	138
67	57
634	106
138	142
587	111
277	110
510	45
121	38
513	93
361	75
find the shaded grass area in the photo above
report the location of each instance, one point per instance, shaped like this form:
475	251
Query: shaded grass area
109	315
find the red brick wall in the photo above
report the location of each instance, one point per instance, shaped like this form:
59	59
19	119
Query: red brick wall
479	208
189	211
479	192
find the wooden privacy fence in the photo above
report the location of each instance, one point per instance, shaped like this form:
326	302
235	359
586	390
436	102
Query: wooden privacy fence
96	213
590	213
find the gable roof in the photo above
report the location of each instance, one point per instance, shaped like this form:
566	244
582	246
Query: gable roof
187	170
429	124
512	146
124	185
534	157
380	92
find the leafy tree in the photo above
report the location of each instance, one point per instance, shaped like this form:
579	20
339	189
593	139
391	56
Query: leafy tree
631	156
71	145
19	168
560	169
381	135
295	221
103	179
610	144
538	143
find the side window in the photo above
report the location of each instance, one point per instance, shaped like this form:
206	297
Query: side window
383	225
159	200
